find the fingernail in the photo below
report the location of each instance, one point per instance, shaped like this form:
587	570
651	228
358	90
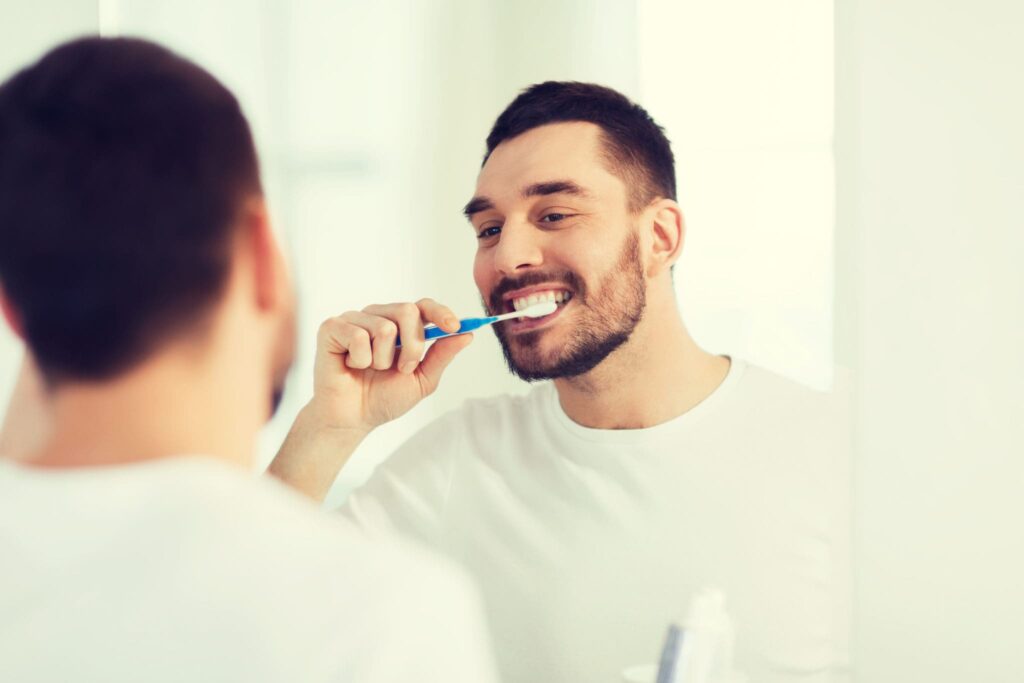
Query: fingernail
408	367
451	323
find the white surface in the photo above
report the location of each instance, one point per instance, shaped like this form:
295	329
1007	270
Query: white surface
188	569
588	543
644	673
932	161
744	89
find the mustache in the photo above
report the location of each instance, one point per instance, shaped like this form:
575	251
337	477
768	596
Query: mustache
571	280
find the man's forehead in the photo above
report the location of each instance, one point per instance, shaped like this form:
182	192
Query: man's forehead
564	151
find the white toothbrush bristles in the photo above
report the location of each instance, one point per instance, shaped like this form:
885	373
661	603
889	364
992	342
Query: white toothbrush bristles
539	310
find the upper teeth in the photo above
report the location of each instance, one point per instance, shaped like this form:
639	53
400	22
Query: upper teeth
558	296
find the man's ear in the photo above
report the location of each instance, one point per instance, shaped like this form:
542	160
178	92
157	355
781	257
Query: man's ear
268	269
668	230
11	315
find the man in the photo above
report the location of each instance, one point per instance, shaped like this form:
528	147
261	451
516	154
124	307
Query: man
138	264
592	509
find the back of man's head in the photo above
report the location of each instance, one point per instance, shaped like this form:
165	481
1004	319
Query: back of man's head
122	169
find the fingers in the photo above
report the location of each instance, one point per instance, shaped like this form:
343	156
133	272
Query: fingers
439	315
410	319
341	336
366	339
381	333
438	358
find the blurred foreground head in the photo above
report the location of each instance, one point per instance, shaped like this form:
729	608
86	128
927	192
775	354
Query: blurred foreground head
132	218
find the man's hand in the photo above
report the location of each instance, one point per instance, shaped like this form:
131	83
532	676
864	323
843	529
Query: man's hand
361	381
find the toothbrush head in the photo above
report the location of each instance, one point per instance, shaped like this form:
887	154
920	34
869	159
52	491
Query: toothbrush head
538	310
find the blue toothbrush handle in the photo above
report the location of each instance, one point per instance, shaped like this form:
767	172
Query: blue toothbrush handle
465	325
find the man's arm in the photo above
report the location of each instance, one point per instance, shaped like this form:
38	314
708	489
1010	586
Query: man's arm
312	454
360	381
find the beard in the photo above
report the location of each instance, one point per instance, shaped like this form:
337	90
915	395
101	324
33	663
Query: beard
604	320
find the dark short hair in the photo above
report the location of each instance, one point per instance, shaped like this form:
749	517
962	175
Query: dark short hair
122	171
636	147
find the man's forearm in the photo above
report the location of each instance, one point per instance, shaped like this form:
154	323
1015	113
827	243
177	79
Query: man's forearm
312	455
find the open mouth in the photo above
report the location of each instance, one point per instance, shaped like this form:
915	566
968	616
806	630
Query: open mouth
518	301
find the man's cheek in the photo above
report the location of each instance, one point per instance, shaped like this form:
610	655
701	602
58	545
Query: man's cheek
483	278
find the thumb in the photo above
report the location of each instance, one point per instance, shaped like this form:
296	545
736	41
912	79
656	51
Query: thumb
437	359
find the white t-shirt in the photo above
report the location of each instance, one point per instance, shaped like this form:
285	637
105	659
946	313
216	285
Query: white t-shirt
587	543
187	569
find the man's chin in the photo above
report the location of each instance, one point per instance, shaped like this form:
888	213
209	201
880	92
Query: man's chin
546	357
532	364
538	355
533	373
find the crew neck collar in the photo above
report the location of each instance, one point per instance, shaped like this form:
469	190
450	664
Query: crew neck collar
553	408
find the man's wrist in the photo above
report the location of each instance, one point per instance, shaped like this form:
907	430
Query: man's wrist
316	421
314	452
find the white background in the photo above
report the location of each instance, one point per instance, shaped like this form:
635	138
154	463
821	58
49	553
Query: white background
852	180
931	297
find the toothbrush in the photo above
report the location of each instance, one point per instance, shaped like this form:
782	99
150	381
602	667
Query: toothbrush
538	310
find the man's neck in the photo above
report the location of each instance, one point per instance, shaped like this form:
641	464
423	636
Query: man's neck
659	374
166	408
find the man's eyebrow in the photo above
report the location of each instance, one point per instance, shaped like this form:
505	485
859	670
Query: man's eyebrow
555	187
479	203
476	205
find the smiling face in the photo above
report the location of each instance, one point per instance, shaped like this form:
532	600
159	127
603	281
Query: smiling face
554	223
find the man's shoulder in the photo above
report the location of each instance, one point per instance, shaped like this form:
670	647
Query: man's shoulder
772	403
276	555
761	384
274	532
337	568
196	536
782	404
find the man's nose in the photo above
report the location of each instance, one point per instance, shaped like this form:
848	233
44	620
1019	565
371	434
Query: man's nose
519	247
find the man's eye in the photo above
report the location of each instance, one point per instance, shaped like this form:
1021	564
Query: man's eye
491	231
553	217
